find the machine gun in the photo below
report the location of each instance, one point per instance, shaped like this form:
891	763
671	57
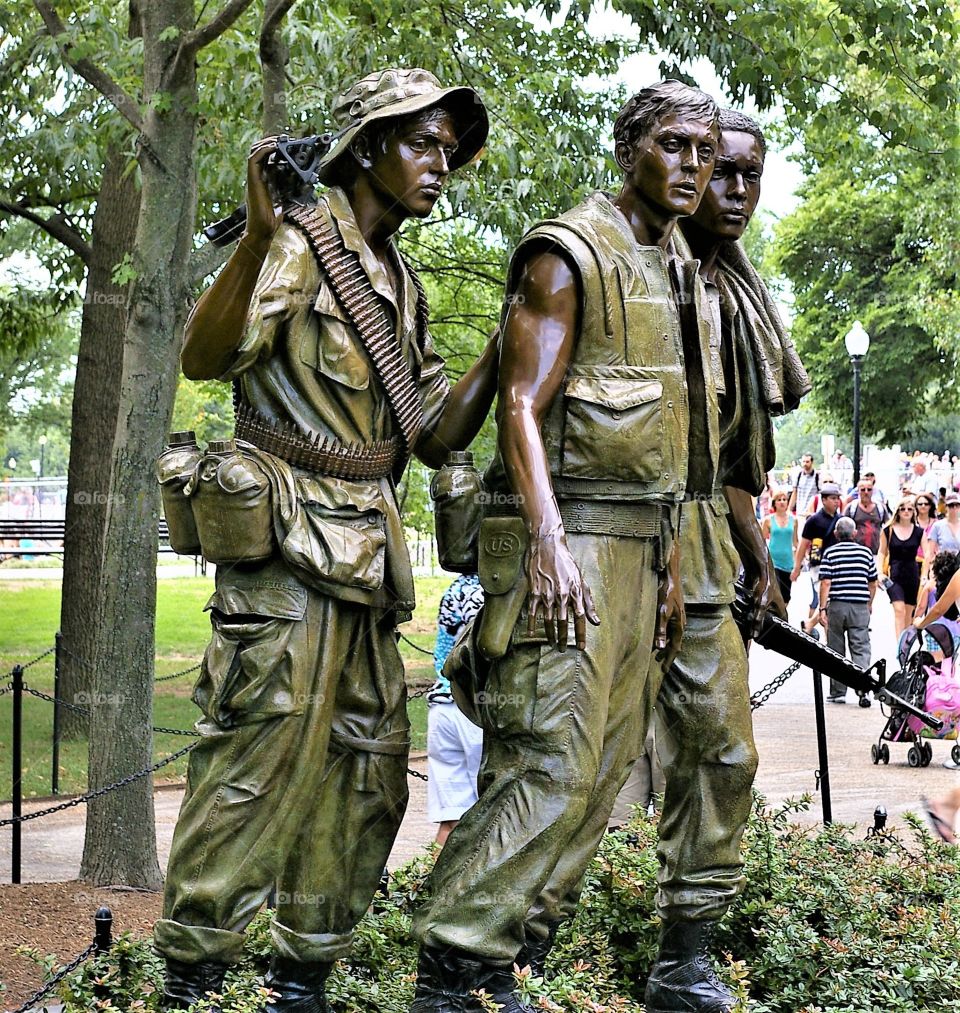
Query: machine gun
291	172
777	635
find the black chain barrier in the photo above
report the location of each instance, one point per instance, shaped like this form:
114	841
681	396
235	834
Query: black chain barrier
102	941
177	675
31	1003
86	710
81	799
763	695
416	647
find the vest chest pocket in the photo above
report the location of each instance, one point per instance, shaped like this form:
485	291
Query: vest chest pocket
614	424
330	345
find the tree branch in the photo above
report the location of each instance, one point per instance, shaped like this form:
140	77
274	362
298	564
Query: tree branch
274	56
194	41
95	76
55	226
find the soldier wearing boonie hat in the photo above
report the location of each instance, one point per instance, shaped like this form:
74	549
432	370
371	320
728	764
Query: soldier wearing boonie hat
298	783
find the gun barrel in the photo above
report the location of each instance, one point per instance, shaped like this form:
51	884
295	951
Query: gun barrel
777	635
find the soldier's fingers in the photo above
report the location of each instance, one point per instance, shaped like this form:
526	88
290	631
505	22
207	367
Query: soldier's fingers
548	619
562	624
580	631
533	607
588	606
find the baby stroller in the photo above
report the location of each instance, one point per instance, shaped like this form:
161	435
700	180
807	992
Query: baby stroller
929	684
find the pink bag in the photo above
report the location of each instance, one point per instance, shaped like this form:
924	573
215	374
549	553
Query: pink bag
942	700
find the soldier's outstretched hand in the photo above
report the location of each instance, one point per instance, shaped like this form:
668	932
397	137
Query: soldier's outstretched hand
671	613
557	590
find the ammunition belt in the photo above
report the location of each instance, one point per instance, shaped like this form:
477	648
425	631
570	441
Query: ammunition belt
327	456
369	317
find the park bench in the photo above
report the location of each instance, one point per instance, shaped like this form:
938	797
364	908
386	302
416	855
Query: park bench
48	535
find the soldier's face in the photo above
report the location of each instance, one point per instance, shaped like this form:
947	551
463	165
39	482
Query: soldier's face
733	192
415	164
671	166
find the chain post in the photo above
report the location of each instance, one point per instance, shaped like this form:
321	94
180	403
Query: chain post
55	762
17	786
103	923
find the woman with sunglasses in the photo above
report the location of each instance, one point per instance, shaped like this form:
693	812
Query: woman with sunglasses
780	531
900	541
944	535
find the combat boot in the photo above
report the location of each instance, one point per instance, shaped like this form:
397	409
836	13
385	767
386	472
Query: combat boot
683	979
301	988
185	984
446	980
535	951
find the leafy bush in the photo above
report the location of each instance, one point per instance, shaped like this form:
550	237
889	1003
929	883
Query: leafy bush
828	923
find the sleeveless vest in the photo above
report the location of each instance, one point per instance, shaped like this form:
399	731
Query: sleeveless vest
637	418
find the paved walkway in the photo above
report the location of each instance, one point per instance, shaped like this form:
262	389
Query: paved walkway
786	739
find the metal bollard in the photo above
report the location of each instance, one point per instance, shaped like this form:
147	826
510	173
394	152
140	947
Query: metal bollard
17	786
103	922
102	941
55	772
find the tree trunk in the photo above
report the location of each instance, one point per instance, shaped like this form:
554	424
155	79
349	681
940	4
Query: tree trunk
96	398
120	845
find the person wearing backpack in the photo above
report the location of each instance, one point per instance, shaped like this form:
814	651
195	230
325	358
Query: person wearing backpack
868	516
805	489
816	537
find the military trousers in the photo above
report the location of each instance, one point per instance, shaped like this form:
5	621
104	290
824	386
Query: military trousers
561	731
704	740
298	783
704	733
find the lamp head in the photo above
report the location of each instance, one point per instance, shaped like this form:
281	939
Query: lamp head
857	340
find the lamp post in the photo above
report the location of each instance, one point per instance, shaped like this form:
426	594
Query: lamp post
858	344
43	443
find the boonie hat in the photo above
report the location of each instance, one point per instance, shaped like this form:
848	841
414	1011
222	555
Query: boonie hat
400	92
829	489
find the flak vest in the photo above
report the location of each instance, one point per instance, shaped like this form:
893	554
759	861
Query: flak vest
637	419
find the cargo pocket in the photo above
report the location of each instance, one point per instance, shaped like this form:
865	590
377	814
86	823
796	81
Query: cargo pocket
343	545
507	704
614	424
251	671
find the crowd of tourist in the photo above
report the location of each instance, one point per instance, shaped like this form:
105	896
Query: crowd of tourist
899	533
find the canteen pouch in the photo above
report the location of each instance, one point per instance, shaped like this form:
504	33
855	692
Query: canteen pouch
232	505
502	548
459	503
174	468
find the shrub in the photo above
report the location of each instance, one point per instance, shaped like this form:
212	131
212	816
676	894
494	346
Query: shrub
828	923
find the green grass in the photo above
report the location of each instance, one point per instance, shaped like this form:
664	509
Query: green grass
29	619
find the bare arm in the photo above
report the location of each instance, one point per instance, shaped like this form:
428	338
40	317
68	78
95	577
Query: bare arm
465	410
793	500
950	594
538	341
824	598
215	326
752	548
803	547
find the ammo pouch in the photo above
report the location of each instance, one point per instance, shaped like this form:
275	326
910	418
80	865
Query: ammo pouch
502	547
232	505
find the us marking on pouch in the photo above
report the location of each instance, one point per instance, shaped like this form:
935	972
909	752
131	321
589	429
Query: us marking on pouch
502	544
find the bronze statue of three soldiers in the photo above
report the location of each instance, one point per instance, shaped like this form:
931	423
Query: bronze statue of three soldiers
636	369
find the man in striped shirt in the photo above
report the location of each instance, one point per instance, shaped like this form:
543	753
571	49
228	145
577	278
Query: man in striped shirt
848	582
